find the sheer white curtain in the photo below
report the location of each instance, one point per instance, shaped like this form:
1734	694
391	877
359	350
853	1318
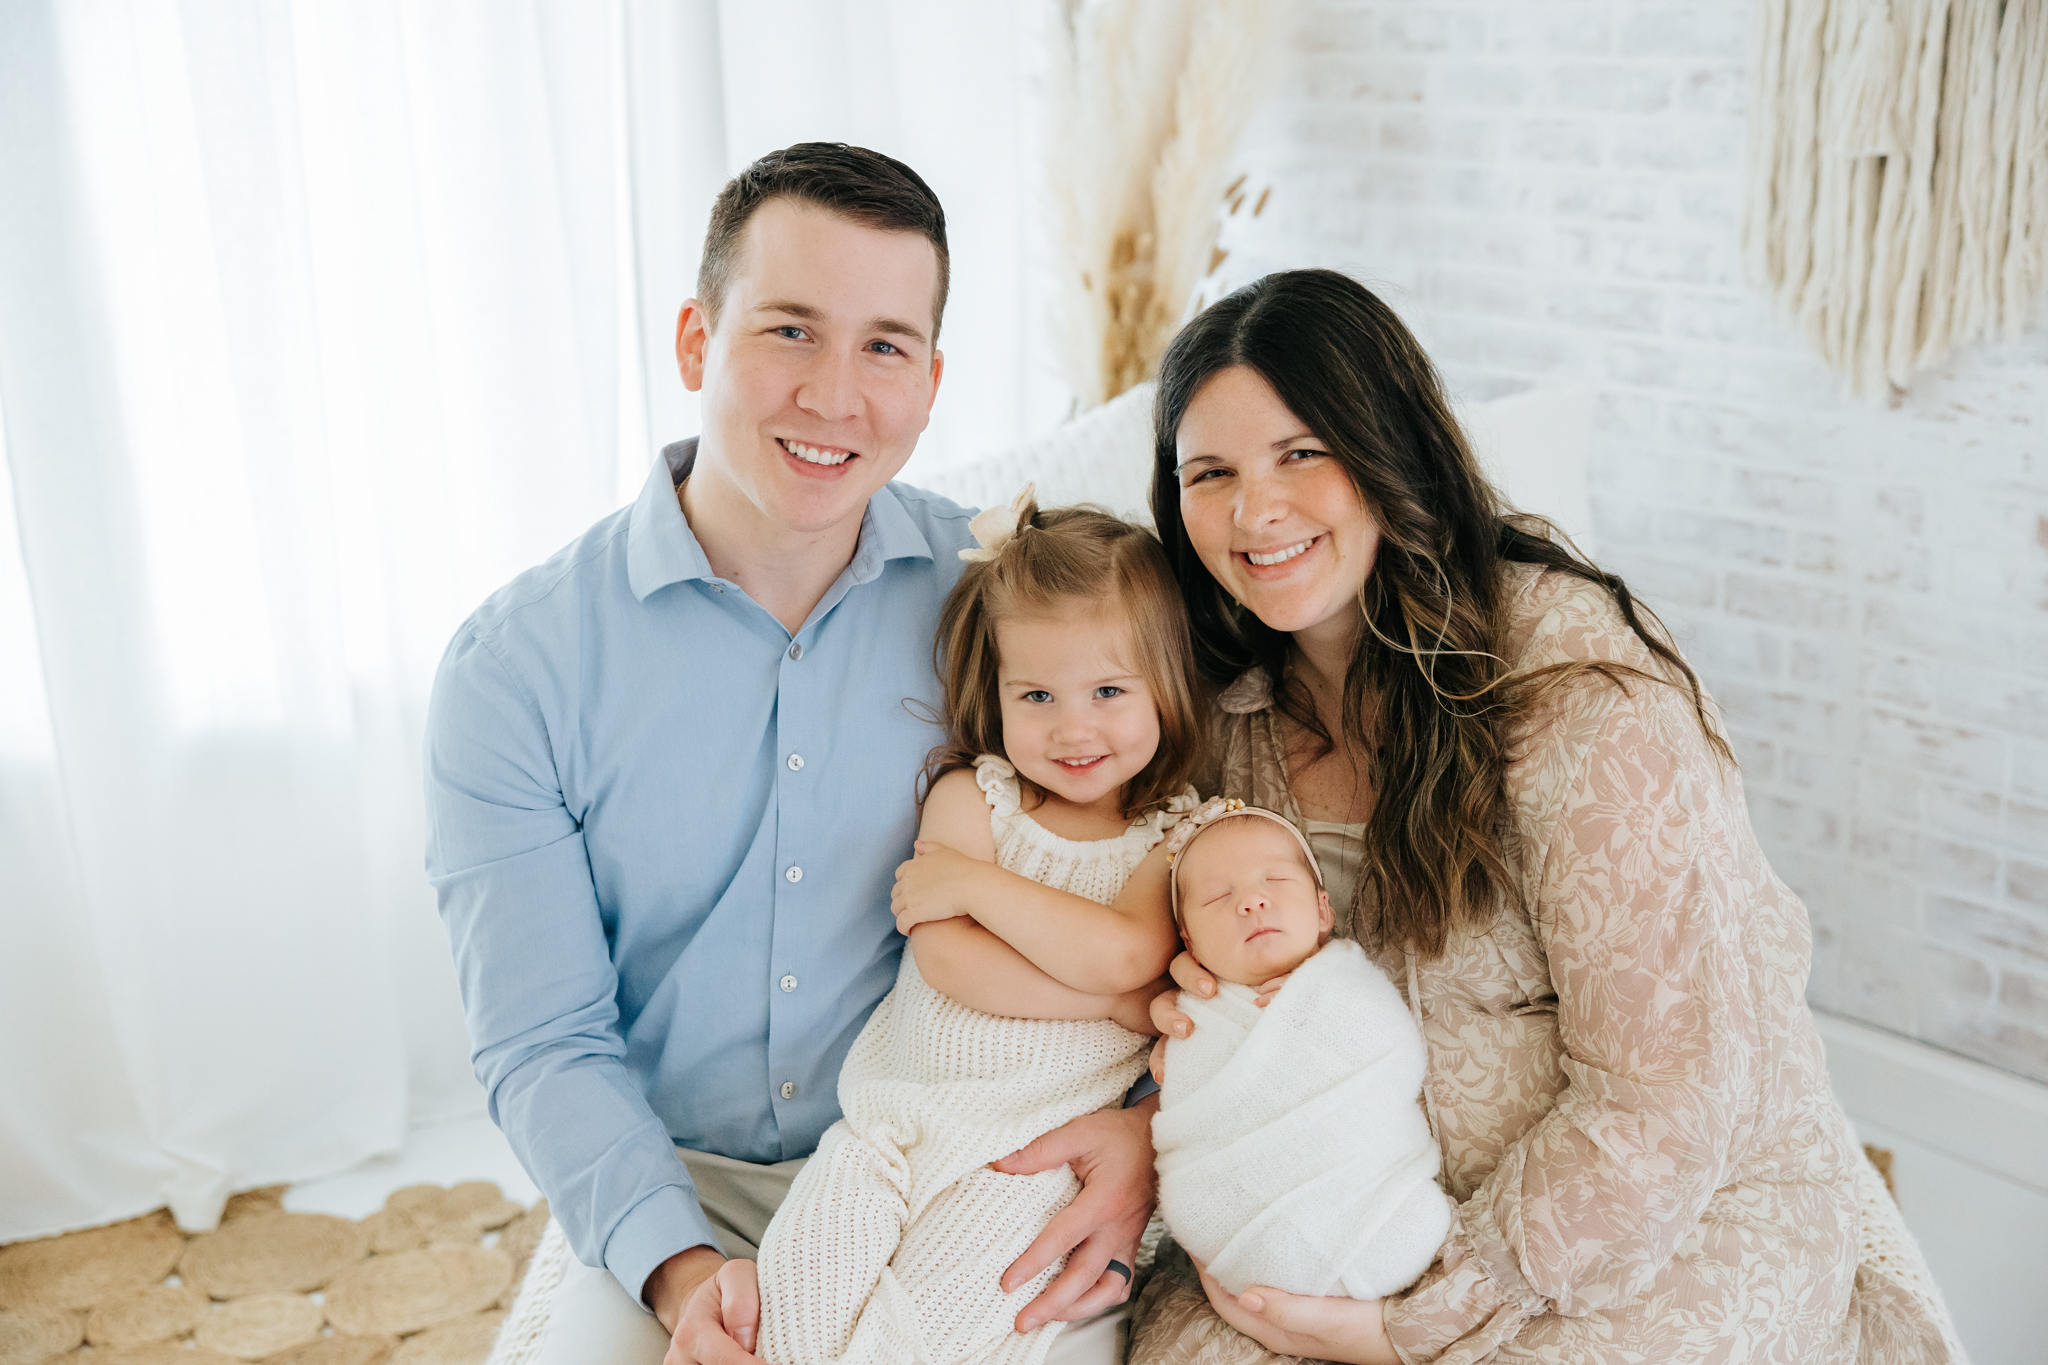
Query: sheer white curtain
319	319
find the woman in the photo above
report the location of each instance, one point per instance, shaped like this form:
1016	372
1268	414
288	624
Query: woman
1522	795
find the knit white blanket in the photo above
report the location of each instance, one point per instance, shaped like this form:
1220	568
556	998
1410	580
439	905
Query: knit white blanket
1292	1149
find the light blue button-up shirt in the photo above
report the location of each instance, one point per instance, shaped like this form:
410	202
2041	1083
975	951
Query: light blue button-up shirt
663	831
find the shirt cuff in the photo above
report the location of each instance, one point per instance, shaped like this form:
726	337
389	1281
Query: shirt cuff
664	1223
1140	1089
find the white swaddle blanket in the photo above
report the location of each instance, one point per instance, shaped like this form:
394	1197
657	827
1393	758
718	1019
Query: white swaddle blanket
1292	1151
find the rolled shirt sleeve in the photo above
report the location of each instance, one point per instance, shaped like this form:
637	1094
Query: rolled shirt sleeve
1642	920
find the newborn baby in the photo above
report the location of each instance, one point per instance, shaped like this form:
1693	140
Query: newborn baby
1292	1149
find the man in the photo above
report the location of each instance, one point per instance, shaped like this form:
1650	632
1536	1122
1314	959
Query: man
670	773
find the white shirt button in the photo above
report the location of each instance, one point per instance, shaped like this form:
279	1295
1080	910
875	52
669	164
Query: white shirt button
788	983
796	763
789	1090
793	873
796	651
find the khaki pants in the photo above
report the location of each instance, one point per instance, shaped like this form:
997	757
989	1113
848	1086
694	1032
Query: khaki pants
595	1322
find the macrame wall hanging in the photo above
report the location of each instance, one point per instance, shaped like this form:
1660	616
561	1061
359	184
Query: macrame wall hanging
1897	204
1148	99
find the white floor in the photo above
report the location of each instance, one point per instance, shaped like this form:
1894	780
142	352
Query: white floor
445	1154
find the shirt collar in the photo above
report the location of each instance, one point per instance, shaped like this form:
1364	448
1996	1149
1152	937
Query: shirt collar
662	549
887	531
1252	692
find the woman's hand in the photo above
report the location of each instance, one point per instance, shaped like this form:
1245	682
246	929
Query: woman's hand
1352	1330
1167	1020
1190	975
937	883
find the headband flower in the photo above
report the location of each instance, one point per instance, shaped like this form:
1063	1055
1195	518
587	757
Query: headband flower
1183	831
995	527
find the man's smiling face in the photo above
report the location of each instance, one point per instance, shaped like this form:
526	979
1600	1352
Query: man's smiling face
820	372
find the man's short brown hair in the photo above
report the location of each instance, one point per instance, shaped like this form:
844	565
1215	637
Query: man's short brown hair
865	187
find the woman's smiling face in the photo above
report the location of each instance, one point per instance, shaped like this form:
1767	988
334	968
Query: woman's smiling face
1271	512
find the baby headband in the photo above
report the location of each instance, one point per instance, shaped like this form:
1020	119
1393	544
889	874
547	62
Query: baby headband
1210	812
995	527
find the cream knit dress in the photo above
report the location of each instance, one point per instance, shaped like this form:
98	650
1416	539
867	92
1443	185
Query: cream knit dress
894	1237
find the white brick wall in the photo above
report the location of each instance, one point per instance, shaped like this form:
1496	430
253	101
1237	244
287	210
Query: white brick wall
1549	193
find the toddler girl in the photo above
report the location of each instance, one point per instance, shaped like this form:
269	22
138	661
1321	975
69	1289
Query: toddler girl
1291	1149
1070	736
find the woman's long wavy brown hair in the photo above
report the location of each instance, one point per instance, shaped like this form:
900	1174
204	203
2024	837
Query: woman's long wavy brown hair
1429	695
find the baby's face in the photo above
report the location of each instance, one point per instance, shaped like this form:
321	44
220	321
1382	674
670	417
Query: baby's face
1249	904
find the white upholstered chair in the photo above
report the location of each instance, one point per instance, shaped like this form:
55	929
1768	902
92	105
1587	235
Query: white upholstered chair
1533	444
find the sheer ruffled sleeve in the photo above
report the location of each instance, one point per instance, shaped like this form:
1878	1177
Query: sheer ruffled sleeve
1642	914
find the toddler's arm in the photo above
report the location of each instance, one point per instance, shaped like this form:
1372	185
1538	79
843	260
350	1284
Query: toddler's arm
959	958
967	962
1098	949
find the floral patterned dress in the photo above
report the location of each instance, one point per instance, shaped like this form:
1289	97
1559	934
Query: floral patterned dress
1635	1115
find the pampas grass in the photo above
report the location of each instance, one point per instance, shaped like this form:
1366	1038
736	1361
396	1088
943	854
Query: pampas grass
1898	176
1148	99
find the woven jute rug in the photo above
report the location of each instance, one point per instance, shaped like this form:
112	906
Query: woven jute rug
425	1280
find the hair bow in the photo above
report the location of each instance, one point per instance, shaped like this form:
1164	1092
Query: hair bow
996	527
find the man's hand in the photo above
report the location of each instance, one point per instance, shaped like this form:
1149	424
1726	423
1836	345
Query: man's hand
711	1307
1110	1152
1335	1329
935	884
